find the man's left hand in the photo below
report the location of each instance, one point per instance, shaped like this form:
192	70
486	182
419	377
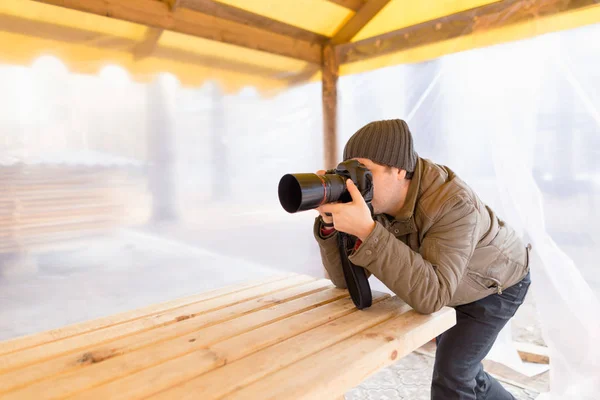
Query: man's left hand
353	218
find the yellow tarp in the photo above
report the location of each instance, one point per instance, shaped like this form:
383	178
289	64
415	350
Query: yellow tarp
87	42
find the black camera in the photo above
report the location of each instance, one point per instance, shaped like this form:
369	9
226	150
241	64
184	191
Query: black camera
301	192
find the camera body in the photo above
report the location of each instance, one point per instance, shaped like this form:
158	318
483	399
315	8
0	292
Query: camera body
304	191
359	174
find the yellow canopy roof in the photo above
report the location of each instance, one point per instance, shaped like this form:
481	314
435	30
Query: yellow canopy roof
268	44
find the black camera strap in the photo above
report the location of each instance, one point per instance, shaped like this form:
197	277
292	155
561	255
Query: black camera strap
356	277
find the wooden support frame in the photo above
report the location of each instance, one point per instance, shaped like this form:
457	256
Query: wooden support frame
358	21
491	16
353	5
158	15
235	14
141	49
330	72
147	46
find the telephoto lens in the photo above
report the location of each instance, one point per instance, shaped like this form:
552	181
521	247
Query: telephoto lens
301	192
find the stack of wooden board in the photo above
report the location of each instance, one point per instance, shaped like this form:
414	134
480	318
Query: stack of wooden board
42	206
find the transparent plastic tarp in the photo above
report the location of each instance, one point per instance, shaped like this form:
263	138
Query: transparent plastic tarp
117	194
519	123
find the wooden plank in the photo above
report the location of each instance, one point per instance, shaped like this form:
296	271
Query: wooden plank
353	5
157	14
112	366
219	382
18	185
353	360
32	188
236	318
52	241
43	195
358	21
182	369
484	18
39	214
58	203
92	325
538	383
38	237
330	72
55	184
533	353
235	14
40	217
204	313
42	232
34	228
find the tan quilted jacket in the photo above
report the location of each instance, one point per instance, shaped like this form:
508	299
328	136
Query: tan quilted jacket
445	247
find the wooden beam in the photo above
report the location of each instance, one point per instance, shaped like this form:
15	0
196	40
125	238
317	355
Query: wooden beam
235	14
491	16
146	47
158	15
330	72
362	17
173	4
84	37
353	5
302	76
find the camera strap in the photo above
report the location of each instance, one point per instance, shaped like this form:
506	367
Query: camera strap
356	277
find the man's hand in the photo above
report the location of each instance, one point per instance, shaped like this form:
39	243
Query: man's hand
327	219
354	218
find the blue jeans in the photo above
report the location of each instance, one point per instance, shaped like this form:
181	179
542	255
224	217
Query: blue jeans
458	373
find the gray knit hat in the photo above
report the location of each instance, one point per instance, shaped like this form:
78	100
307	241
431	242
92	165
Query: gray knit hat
387	142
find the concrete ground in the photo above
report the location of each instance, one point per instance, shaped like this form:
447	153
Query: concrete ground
410	379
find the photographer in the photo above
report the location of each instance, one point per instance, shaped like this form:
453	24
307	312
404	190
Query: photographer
434	243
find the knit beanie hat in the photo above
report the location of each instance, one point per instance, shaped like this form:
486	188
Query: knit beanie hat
387	142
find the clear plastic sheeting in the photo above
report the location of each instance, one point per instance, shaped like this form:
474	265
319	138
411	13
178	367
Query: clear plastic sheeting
520	124
116	194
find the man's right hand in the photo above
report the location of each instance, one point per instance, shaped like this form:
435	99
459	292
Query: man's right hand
326	218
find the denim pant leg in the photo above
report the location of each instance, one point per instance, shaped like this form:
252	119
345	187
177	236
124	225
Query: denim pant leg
458	372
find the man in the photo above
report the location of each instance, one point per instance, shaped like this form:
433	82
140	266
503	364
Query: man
434	243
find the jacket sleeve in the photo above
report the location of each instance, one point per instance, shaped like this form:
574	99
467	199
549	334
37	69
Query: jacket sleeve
330	256
425	280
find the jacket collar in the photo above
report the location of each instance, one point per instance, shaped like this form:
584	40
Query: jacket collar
404	221
408	209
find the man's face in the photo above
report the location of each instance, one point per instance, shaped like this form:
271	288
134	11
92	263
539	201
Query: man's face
387	185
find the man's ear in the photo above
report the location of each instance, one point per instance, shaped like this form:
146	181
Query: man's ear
401	174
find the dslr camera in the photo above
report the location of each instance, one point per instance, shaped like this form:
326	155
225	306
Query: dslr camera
305	191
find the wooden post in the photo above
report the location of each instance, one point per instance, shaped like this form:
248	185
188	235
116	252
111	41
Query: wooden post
330	71
219	172
161	154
